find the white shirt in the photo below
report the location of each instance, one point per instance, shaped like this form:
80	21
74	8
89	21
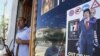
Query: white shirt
23	49
86	20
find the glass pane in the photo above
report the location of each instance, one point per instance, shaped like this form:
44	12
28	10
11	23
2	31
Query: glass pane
50	32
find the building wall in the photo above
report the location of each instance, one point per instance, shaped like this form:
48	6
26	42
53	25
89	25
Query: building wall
12	23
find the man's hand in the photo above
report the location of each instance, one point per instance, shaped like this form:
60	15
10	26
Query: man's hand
18	41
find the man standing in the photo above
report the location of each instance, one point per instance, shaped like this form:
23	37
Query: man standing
86	34
22	39
52	50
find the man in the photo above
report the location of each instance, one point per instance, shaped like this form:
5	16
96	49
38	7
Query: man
52	50
86	32
22	39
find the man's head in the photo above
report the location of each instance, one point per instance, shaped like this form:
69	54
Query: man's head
86	13
54	43
21	22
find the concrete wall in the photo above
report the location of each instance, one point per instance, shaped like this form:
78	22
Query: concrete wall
12	23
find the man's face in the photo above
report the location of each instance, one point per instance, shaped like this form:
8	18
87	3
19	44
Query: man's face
86	14
76	23
20	23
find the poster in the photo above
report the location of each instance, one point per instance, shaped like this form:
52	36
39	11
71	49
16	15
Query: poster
82	30
47	5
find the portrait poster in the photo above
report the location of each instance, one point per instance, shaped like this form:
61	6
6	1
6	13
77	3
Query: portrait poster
83	30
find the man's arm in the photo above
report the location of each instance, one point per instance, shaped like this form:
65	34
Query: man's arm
93	20
95	39
95	35
25	42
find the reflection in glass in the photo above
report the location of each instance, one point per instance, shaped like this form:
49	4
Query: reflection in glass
50	42
48	5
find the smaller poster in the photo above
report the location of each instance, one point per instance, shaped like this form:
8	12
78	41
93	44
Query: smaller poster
47	5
